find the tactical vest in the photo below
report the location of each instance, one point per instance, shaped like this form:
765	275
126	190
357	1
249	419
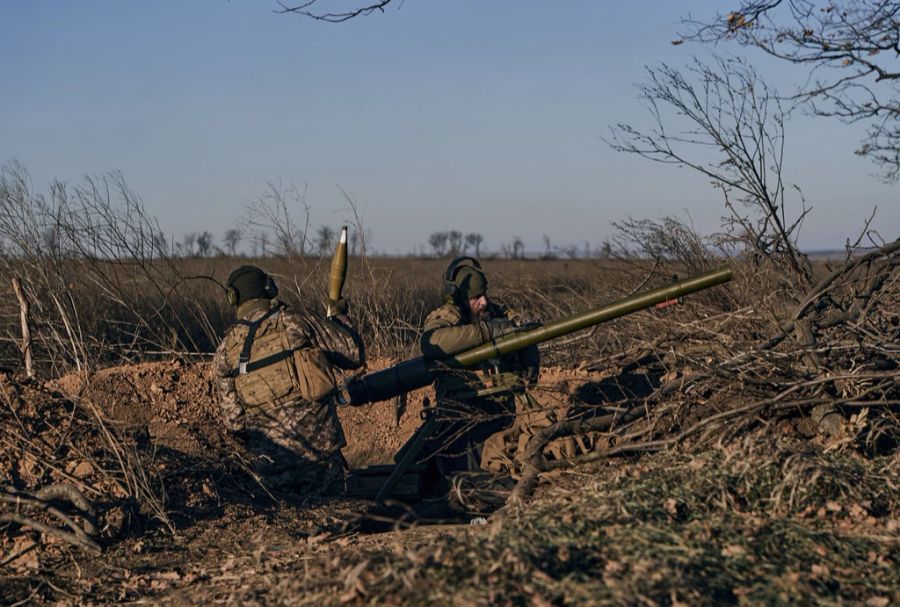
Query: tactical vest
268	371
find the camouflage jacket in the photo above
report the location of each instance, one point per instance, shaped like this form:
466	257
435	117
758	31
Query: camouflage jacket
448	331
310	427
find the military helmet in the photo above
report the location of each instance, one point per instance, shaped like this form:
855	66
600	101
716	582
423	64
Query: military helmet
249	282
464	280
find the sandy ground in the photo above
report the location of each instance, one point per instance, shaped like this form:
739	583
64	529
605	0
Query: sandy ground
223	528
231	543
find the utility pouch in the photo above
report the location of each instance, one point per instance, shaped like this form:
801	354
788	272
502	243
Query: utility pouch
314	377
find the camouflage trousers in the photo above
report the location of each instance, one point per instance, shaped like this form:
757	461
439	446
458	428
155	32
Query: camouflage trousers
297	453
504	452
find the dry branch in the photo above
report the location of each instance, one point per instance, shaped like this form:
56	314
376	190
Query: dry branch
842	356
28	505
24	310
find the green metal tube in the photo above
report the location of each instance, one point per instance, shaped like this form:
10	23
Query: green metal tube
419	372
570	324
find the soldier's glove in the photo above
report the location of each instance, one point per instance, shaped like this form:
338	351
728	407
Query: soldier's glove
337	308
528	326
500	327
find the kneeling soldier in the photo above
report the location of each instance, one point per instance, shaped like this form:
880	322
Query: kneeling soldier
474	404
277	384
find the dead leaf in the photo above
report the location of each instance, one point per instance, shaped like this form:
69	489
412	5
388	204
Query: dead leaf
351	580
671	506
27	557
732	550
83	469
537	600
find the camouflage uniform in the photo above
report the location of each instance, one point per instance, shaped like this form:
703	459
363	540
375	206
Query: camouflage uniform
297	443
475	404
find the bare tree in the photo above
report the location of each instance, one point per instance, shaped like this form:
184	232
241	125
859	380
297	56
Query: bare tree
186	247
308	9
438	242
605	249
204	244
548	248
231	239
274	215
851	48
105	288
732	112
570	251
518	248
324	240
360	235
457	247
474	239
158	241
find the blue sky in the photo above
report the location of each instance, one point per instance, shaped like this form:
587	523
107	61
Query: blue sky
465	114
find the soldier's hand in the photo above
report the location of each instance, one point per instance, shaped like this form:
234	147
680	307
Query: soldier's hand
500	327
337	308
528	326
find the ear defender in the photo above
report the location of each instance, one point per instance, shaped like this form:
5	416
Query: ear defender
270	288
232	295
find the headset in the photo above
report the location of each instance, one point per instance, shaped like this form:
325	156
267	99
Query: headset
451	289
270	289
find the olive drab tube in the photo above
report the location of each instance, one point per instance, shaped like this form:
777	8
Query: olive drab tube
338	274
419	372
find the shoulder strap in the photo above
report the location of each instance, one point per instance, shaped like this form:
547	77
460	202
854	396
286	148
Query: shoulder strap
244	364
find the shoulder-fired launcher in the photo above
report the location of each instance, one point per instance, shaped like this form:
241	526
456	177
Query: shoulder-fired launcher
419	372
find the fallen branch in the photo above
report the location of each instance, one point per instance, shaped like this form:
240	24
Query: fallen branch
42	501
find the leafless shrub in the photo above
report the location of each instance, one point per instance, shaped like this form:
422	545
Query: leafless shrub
70	472
850	48
815	352
273	221
95	270
734	134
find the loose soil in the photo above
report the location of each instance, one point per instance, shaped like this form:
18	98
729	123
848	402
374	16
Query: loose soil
706	529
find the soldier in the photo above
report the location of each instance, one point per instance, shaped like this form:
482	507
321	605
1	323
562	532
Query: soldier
473	405
277	384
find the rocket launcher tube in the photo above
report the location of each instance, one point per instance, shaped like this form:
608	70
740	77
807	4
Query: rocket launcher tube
419	372
338	274
570	324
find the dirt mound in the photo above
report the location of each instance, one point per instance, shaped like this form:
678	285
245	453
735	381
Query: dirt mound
66	477
178	405
753	521
175	402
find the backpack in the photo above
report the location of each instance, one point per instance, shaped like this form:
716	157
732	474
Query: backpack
268	371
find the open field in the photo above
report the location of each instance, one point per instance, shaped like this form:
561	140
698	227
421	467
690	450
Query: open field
761	468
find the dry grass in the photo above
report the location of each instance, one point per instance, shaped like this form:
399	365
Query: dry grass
709	529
